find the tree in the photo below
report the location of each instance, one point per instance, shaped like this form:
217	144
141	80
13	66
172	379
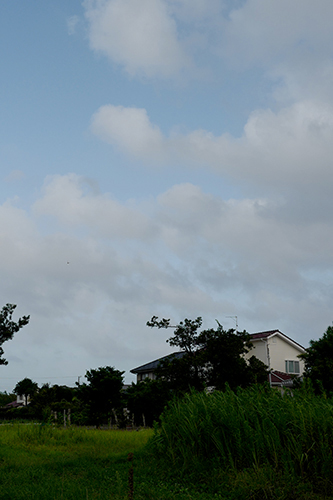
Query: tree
52	398
8	327
213	357
6	398
146	400
318	359
26	388
188	371
102	395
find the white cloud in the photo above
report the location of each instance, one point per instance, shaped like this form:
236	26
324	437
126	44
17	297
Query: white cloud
291	148
260	31
141	36
194	253
130	130
290	41
75	201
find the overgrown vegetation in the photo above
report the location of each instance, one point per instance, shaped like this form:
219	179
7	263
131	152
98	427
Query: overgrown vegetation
256	431
238	443
249	444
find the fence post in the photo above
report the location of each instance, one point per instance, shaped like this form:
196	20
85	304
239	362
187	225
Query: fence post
130	478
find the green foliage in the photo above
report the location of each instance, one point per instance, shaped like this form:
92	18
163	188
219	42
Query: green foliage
6	398
26	388
223	354
213	357
43	462
146	400
102	396
8	327
318	360
50	399
250	429
81	464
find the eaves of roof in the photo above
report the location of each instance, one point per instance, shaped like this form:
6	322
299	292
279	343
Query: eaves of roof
149	367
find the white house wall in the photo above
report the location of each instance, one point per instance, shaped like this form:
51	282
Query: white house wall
259	351
279	351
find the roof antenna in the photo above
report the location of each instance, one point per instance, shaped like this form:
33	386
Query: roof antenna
235	318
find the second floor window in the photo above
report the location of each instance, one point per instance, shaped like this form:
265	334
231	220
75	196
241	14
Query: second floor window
292	367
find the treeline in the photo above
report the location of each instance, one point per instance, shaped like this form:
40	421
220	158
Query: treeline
102	401
213	358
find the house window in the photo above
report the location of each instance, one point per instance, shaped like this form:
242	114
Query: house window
292	367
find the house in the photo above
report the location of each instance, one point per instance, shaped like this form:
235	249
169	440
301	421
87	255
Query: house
23	399
148	370
278	351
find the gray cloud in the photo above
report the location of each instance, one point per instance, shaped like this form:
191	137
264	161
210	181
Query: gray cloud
194	254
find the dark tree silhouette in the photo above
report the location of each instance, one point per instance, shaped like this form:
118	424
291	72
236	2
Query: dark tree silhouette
318	359
8	327
26	388
102	395
213	357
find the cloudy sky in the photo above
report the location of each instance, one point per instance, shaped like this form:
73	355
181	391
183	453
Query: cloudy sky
162	157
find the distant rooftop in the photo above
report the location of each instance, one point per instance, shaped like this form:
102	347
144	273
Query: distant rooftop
148	367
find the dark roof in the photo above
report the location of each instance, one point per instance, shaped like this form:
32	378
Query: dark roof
149	367
265	335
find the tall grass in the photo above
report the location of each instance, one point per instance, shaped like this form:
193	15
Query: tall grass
250	428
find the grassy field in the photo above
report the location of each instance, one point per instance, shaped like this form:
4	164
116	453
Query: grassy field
45	463
251	445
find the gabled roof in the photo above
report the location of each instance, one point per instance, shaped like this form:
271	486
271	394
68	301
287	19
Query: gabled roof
263	335
272	333
149	367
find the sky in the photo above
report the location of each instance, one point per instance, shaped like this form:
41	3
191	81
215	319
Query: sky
161	157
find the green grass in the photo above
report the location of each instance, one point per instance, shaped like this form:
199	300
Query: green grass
45	463
41	462
251	445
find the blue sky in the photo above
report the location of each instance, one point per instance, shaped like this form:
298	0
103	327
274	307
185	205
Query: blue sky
177	153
